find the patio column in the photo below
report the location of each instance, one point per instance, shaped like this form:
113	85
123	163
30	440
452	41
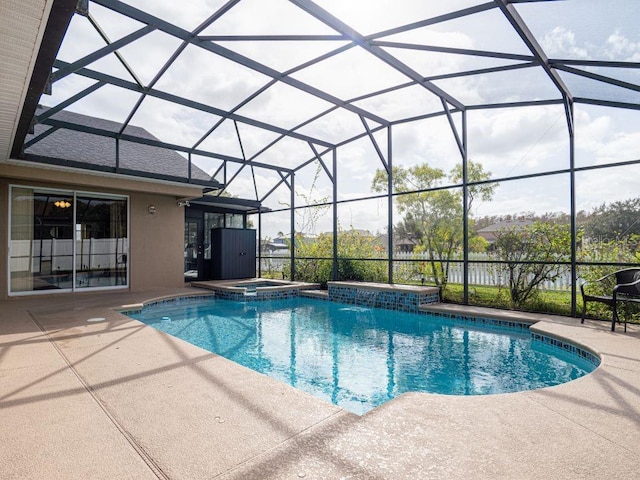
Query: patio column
572	191
334	273
292	187
259	241
390	203
465	212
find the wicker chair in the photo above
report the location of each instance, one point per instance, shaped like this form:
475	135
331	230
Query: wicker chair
625	289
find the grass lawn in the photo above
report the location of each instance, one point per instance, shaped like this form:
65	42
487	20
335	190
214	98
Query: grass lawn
554	302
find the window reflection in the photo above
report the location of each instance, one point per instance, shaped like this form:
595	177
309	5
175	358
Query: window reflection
41	240
44	240
211	220
234	220
101	242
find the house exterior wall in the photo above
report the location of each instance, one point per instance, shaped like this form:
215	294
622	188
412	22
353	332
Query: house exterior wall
156	241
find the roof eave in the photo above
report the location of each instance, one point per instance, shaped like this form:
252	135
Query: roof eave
59	18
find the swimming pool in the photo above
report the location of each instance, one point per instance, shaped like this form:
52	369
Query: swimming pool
359	358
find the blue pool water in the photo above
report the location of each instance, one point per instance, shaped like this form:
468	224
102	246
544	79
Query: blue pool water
358	357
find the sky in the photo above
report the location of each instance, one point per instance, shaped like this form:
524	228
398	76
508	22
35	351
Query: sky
506	141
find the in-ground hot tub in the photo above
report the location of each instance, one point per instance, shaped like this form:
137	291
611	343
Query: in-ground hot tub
256	288
255	284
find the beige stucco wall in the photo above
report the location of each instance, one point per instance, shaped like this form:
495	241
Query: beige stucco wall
156	241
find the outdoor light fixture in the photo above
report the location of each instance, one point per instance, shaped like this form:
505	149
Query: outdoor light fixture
152	209
183	203
62	204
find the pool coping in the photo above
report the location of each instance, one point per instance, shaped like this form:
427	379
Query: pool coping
235	289
482	318
156	393
387	287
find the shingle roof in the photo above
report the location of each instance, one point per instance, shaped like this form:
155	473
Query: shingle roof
506	225
72	146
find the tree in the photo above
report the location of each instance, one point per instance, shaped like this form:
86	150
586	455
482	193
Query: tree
612	251
307	221
314	258
475	173
611	235
433	216
615	221
477	244
408	228
521	247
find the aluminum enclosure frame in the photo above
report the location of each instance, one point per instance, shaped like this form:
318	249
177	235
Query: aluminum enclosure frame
377	45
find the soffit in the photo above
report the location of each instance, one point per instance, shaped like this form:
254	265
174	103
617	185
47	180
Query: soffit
22	24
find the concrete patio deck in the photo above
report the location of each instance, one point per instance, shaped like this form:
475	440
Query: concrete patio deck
109	399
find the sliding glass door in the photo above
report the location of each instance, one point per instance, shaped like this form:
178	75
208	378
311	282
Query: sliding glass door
66	240
40	248
101	241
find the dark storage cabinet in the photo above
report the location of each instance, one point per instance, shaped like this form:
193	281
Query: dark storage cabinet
233	253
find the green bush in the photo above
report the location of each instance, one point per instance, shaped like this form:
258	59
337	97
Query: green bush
313	258
624	250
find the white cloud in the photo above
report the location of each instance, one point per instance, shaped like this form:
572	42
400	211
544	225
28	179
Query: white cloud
369	16
606	136
620	48
519	141
561	42
185	15
507	142
593	188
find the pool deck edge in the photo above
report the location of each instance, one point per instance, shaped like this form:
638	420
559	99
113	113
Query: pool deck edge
199	416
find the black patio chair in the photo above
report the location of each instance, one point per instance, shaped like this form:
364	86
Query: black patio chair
625	289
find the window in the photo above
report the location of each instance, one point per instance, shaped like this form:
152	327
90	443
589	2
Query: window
65	240
234	220
211	220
